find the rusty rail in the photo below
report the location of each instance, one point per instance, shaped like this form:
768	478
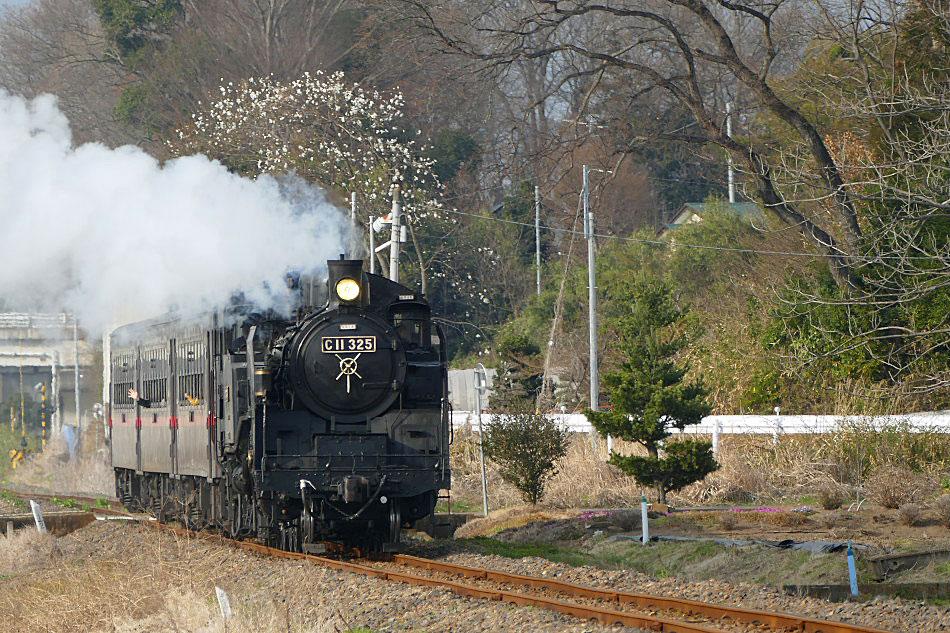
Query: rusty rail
606	616
665	603
111	510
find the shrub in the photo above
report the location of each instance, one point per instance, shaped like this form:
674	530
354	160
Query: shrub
909	513
626	520
727	521
832	495
686	461
942	508
891	486
525	446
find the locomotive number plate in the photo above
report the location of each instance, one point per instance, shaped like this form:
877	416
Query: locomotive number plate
346	344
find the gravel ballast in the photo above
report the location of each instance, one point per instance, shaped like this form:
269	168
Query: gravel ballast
892	614
137	579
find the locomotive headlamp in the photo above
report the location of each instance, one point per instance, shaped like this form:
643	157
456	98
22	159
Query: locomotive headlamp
348	289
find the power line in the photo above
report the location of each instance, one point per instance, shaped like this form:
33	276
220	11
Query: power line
750	251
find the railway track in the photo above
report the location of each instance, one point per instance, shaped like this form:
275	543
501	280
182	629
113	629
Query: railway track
115	507
648	612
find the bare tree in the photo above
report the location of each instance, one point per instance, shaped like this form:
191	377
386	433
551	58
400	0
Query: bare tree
685	48
57	46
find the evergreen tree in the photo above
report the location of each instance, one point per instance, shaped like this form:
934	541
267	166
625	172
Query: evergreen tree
519	374
649	393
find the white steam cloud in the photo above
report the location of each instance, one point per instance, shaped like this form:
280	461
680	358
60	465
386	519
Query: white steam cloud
111	234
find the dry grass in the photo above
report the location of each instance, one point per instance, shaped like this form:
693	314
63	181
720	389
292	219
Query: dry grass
517	516
89	473
727	521
894	486
832	466
26	549
584	478
134	580
832	495
829	464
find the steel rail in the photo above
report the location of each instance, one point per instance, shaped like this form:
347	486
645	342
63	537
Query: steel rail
706	609
91	501
604	615
586	612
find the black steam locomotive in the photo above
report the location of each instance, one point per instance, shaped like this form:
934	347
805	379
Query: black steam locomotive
331	426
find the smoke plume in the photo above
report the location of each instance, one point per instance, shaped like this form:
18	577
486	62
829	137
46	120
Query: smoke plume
114	235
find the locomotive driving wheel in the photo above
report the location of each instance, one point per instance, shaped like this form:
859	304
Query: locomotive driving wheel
395	522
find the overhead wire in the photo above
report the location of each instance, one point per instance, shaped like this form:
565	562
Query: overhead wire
727	249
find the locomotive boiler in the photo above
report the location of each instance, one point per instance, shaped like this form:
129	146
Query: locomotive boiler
333	425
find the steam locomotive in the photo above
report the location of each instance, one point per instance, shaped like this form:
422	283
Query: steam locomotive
330	426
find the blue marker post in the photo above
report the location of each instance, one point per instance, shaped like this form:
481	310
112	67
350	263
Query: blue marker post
852	571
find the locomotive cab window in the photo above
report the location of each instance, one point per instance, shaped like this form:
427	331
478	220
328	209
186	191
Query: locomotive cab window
412	326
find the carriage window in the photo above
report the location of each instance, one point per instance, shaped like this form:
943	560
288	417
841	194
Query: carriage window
123	373
154	375
191	362
120	395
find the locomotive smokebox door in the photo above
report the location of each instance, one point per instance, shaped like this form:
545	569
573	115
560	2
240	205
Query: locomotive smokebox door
347	363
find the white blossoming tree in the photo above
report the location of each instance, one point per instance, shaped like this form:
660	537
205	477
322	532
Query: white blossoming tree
327	130
351	139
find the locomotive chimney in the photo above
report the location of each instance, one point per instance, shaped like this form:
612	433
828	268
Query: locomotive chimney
346	283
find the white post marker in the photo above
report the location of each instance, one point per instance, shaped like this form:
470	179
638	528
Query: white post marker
777	430
645	519
38	517
223	603
717	431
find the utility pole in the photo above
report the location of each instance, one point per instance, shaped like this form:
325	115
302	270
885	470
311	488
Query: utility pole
353	209
372	246
481	384
592	293
592	298
43	413
395	236
732	174
537	234
76	372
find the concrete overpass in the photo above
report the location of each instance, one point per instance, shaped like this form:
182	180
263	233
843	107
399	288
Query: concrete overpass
47	348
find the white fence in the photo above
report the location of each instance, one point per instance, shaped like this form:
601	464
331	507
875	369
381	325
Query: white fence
774	425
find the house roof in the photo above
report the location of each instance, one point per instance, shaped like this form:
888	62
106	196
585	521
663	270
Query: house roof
748	210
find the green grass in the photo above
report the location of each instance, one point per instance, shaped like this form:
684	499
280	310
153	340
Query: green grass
457	506
485	545
102	502
691	561
65	503
14	500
